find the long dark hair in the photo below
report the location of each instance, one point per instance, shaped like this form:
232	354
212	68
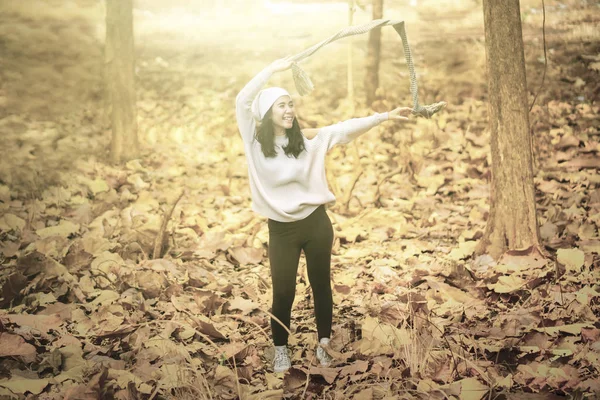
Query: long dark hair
265	135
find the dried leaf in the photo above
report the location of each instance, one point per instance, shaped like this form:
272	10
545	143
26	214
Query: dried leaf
10	222
41	323
507	284
20	385
244	305
464	250
246	255
12	288
15	345
467	389
572	259
572	329
65	228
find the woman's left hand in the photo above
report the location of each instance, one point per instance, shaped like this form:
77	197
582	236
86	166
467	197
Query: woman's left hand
400	113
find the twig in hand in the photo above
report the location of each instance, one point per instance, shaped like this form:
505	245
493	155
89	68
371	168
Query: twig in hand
163	227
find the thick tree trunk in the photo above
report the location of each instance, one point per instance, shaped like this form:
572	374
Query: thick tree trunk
120	81
512	223
373	55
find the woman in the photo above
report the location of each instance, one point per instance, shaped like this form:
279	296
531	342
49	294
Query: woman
286	167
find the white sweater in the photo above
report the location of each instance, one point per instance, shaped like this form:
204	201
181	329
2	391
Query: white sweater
284	188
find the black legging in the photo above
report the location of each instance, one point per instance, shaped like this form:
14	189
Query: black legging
314	235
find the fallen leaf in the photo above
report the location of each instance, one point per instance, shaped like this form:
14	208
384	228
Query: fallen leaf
41	323
65	228
246	255
10	222
572	259
20	385
507	284
466	389
244	305
464	250
15	345
572	329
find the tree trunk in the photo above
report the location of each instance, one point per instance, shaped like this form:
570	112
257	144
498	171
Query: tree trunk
373	55
512	223
120	81
350	83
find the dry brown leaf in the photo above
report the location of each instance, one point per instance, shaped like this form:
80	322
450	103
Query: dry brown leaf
20	385
40	323
246	255
15	345
356	367
244	305
571	258
329	374
65	228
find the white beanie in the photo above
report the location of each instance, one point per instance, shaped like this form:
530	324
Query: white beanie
265	99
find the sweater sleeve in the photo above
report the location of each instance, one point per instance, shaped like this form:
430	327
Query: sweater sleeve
346	131
243	103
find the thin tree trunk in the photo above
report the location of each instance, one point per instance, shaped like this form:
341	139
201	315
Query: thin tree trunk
373	55
512	223
350	62
120	64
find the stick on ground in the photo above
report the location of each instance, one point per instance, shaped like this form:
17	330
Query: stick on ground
163	227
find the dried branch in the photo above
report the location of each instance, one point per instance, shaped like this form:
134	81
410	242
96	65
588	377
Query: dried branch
163	227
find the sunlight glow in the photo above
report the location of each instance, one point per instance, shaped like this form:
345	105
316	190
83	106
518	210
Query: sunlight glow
286	8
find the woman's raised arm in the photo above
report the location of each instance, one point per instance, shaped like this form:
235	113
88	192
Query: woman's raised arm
243	101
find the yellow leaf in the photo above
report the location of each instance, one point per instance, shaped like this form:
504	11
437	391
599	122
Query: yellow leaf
382	338
10	222
573	329
465	249
4	194
105	297
107	264
572	259
64	229
22	385
97	186
506	382
472	389
123	378
174	375
246	306
507	284
145	388
247	255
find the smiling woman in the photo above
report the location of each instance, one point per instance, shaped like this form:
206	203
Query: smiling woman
277	118
286	166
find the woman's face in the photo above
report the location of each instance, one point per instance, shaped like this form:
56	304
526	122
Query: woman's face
283	112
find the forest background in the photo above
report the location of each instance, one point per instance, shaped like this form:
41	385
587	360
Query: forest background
93	306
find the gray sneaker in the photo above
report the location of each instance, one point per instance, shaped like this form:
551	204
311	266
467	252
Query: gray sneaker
281	361
324	358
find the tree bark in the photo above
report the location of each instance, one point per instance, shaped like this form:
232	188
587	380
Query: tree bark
350	80
512	223
120	79
373	55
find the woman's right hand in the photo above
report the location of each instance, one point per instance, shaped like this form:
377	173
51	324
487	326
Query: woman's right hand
282	64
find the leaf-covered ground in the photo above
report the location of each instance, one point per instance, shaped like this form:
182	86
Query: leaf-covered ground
88	312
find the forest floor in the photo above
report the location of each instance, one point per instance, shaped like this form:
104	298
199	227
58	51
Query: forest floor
93	308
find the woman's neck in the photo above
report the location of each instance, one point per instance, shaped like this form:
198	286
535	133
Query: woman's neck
279	131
